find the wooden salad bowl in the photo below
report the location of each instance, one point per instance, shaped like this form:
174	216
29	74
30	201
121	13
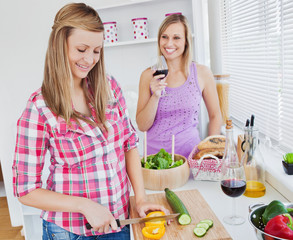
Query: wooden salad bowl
158	180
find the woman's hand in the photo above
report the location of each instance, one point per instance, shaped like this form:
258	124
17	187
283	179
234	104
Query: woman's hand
143	207
98	216
157	84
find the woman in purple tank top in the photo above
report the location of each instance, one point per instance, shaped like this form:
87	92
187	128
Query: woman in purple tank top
185	85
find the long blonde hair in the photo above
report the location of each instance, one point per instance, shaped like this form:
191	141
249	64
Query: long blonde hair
58	80
187	54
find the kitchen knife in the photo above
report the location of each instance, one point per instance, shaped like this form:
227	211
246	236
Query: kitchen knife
141	220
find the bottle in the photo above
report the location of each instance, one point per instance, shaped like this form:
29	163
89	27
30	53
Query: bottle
222	82
253	164
230	152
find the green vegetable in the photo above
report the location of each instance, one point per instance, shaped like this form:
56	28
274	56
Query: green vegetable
290	210
162	160
208	221
202	227
199	232
178	207
177	163
273	209
288	158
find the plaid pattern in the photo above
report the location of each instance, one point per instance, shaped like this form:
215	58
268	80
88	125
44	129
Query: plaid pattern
84	161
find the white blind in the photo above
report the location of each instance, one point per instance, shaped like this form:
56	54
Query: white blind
257	41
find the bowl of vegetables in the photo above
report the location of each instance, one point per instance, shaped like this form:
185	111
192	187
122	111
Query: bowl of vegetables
272	221
288	163
160	172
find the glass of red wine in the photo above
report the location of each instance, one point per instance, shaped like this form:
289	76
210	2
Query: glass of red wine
161	67
233	184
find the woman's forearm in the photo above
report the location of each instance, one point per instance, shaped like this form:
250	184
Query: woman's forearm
145	118
215	123
51	201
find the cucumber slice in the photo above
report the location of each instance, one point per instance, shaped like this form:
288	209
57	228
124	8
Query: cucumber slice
199	232
184	219
204	225
208	221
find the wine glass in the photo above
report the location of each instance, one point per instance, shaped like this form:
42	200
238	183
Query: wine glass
161	67
233	183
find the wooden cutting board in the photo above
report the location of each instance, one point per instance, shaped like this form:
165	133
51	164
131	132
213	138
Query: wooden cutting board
197	208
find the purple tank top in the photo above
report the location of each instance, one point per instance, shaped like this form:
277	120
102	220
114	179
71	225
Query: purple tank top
177	114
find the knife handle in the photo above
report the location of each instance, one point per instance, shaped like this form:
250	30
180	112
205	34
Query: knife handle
88	226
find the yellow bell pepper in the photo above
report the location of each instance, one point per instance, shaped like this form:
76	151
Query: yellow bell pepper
157	223
154	232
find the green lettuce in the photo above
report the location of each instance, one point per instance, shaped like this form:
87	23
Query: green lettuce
161	160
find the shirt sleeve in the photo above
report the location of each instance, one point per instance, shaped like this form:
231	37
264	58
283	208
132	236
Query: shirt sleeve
130	135
30	151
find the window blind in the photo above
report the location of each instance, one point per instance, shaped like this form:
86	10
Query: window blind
257	42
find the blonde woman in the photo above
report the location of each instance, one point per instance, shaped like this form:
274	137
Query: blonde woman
185	85
79	118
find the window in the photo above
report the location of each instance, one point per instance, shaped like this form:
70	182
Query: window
257	41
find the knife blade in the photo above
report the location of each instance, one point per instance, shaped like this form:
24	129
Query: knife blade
141	220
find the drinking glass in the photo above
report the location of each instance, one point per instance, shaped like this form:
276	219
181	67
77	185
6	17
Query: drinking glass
233	184
161	67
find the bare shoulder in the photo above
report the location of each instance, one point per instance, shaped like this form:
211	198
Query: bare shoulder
146	75
203	70
204	75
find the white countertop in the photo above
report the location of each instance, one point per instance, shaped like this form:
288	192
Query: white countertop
222	205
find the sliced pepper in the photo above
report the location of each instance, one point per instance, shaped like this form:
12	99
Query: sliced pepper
280	226
273	209
154	232
156	223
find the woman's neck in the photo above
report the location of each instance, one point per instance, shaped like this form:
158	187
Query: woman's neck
175	65
77	84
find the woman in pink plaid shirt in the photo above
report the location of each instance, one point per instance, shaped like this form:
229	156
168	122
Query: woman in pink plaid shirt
78	121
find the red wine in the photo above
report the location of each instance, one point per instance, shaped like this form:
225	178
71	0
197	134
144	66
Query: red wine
158	72
233	188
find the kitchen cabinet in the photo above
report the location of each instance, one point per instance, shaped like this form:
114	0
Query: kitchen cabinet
127	58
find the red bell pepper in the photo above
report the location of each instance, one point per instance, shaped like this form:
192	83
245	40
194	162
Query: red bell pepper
280	226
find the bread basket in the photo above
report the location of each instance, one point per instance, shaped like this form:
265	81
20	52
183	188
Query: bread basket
208	167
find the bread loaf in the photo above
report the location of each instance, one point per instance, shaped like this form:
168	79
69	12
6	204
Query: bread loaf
212	142
218	152
212	145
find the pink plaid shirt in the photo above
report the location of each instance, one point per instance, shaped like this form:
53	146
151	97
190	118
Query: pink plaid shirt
84	162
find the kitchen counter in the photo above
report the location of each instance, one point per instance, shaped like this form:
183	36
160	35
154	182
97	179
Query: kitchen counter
222	205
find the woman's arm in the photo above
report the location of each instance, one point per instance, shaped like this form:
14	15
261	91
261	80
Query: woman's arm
148	103
99	217
133	167
210	97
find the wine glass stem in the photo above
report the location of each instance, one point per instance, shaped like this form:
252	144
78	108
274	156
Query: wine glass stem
233	207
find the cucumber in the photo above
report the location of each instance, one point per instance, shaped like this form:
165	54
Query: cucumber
203	225
208	221
178	207
199	232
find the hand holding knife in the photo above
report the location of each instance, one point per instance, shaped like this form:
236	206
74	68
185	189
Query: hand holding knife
141	220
